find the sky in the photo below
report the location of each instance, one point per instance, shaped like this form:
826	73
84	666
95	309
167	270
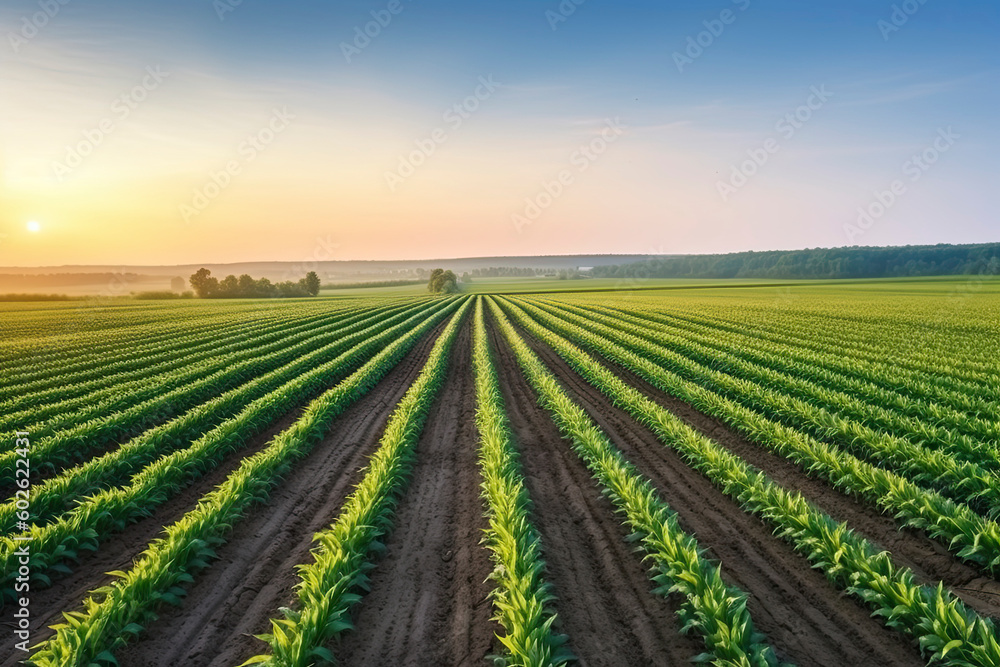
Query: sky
142	132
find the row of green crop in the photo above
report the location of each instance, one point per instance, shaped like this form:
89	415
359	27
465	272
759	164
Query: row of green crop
927	383
151	394
128	365
328	587
924	414
115	613
710	607
68	393
79	442
157	388
946	630
110	510
879	328
818	413
56	494
40	354
521	596
153	343
971	536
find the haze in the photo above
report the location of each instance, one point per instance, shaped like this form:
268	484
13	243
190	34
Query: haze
196	131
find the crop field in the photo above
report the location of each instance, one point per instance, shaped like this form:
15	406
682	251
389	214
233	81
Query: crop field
754	475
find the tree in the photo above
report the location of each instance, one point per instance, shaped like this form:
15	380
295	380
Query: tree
312	283
247	286
229	287
203	284
442	282
177	284
466	278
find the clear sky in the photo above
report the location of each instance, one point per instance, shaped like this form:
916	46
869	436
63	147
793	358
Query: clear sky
141	131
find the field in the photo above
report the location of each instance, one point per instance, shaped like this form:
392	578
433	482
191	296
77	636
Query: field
533	473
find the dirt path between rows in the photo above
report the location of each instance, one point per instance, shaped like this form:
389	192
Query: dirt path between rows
118	552
807	619
255	574
604	599
930	561
429	603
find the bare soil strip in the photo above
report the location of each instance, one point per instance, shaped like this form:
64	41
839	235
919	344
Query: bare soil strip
604	599
237	596
118	551
254	575
429	603
913	548
808	620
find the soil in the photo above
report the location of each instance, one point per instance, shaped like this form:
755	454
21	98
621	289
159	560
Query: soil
803	615
929	559
603	592
429	603
261	534
254	575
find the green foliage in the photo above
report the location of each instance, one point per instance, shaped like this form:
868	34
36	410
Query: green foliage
852	262
115	613
442	282
948	632
520	597
711	608
245	287
329	586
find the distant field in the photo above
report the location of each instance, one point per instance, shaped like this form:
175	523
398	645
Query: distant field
759	473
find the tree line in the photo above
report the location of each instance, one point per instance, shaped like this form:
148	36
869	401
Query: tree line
246	287
820	263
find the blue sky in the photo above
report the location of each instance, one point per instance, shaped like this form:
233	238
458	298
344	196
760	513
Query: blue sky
670	181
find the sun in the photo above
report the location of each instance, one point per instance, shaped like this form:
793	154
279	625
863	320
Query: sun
34	226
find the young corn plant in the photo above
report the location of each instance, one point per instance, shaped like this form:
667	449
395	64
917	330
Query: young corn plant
53	496
818	412
710	607
329	586
521	596
947	631
969	535
114	614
